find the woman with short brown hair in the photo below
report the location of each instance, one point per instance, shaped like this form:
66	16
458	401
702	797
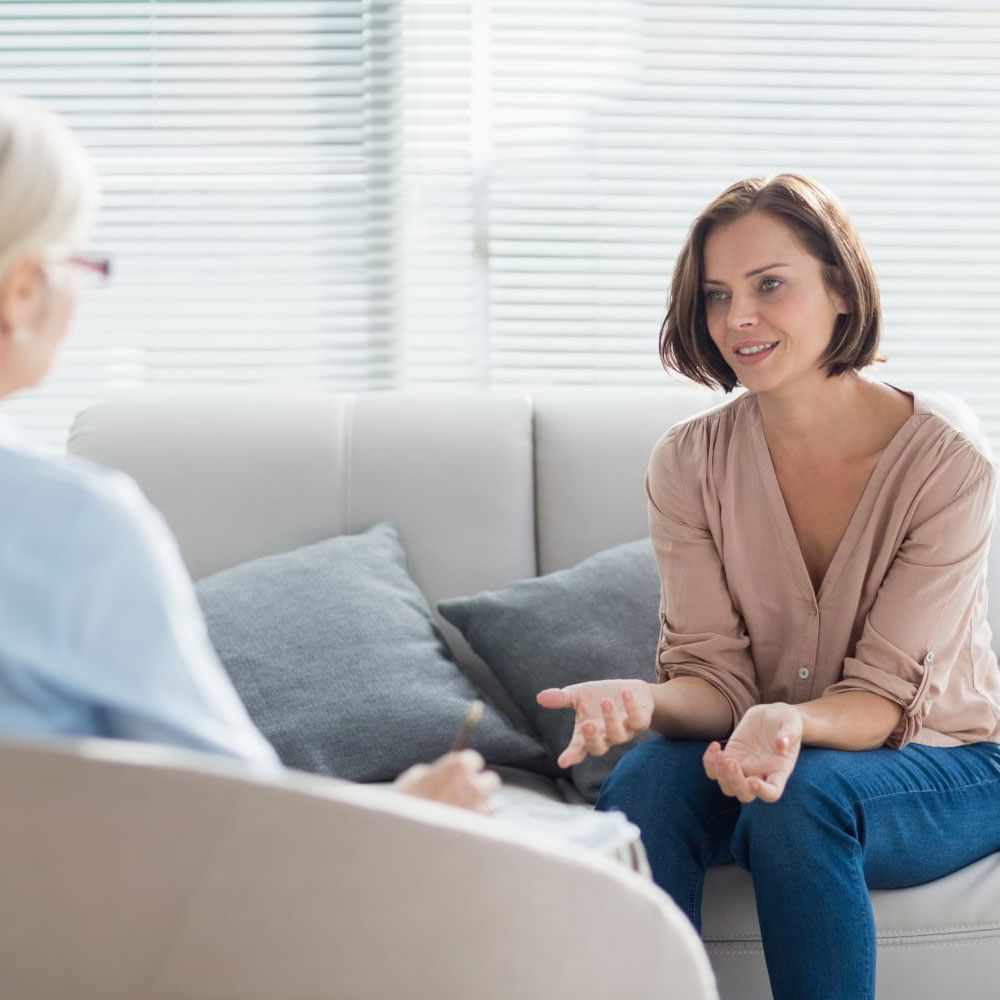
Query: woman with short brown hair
823	228
828	701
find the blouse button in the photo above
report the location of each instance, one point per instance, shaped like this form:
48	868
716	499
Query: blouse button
929	658
803	672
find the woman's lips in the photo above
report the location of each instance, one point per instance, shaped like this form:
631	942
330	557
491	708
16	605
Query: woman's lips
754	359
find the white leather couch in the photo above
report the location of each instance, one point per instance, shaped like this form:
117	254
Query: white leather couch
486	489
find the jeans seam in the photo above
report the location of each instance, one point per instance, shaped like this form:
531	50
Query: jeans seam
864	914
985	783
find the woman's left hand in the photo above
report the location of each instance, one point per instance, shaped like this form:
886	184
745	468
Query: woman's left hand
760	755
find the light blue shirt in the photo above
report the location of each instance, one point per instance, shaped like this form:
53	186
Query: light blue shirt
100	630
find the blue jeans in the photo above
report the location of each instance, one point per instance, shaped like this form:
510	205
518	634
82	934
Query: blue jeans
848	821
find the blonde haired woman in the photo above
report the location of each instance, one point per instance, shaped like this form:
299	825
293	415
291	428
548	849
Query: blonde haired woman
100	631
829	701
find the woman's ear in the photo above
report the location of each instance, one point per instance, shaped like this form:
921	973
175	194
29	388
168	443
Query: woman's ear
836	288
22	297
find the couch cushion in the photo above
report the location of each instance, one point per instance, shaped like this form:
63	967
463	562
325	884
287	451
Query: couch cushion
599	619
334	652
937	939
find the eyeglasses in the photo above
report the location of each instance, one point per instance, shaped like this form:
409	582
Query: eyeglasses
96	270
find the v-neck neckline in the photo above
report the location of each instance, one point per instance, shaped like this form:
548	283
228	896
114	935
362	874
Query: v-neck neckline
769	481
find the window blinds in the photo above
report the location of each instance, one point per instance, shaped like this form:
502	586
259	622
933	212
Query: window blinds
371	193
239	149
614	123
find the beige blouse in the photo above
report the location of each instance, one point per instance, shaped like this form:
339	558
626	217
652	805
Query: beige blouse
902	609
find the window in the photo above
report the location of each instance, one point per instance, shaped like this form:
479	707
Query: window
372	193
238	147
614	124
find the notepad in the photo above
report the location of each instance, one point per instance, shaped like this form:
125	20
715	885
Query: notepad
611	834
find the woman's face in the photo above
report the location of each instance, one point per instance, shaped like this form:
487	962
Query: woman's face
768	309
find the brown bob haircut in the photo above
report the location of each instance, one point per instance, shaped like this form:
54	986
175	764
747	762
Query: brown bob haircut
824	230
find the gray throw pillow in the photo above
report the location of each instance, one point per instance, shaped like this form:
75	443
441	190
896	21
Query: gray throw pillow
599	619
333	650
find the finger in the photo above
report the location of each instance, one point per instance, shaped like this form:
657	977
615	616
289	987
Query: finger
594	738
725	786
414	773
634	715
737	781
486	802
489	782
465	795
614	728
711	760
454	766
724	779
765	790
471	760
741	783
554	698
466	784
574	752
778	780
484	786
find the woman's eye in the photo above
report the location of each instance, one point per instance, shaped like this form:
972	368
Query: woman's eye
769	284
715	295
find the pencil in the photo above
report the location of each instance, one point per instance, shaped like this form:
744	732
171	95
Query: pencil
472	716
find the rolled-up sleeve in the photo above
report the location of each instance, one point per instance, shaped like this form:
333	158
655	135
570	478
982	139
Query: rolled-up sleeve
701	633
922	614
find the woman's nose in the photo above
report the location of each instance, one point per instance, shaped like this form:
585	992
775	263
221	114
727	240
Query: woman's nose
742	315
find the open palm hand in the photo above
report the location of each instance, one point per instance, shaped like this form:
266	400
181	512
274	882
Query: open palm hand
607	713
760	755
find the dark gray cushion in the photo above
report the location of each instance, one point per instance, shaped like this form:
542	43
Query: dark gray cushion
334	652
597	620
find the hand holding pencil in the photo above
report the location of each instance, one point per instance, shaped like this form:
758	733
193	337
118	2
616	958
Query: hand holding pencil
458	778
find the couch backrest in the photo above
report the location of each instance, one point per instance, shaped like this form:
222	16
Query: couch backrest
298	886
591	452
486	487
240	475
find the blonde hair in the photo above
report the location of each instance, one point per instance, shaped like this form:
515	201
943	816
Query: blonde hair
824	229
48	185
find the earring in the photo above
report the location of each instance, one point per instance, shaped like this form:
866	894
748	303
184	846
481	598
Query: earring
23	335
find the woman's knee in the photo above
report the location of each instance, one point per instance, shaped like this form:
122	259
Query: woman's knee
811	814
650	773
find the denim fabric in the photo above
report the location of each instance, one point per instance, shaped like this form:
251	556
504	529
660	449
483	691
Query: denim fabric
847	822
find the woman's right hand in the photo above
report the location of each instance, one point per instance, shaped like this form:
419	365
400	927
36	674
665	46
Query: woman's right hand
607	713
456	779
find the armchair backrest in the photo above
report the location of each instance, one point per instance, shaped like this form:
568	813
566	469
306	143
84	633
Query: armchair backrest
135	871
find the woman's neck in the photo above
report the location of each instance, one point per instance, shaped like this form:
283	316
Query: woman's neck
822	420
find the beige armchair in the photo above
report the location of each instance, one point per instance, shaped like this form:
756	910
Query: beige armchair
131	871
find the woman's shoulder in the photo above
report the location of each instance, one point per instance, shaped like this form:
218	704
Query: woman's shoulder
949	452
62	496
691	442
951	419
682	466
